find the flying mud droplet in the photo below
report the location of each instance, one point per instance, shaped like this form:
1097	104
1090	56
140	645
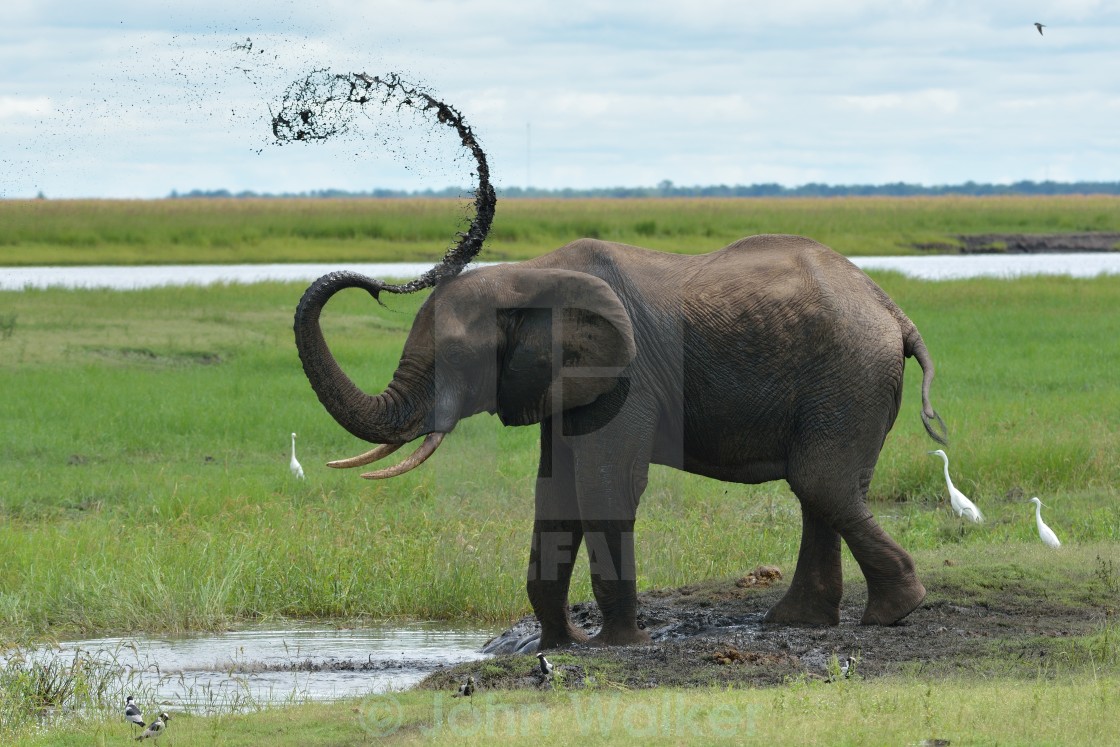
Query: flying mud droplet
323	105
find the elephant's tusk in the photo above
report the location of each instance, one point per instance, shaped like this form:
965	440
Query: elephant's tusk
431	443
378	452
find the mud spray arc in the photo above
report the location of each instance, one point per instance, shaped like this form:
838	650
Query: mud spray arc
323	105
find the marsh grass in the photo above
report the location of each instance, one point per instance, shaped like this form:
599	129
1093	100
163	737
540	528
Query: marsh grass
46	232
40	687
150	491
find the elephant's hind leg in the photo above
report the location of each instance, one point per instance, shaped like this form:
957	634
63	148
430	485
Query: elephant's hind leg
813	597
893	587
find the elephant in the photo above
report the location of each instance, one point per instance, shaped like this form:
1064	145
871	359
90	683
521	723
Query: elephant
772	358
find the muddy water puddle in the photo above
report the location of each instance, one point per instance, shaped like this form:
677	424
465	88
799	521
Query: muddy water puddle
250	668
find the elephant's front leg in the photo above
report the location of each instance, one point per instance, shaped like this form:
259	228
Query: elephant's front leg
557	533
610	551
609	487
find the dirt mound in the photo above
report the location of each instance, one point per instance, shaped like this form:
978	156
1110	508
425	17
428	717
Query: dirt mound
1025	243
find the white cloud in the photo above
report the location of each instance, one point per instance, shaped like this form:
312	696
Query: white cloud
934	100
16	106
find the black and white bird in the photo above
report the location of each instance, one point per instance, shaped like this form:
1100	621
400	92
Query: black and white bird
156	728
1040	27
545	666
467	688
132	712
294	465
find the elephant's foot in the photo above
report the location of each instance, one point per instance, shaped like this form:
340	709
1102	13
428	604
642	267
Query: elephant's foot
797	609
888	606
627	636
568	636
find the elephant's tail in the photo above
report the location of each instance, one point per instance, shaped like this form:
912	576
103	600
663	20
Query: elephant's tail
915	348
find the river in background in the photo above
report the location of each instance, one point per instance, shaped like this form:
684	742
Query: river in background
935	267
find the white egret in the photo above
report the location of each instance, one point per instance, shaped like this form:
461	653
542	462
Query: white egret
156	728
294	465
1046	533
132	713
961	505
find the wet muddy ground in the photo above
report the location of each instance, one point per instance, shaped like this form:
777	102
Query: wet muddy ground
712	634
1023	243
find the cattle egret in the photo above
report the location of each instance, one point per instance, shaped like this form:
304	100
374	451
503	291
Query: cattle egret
132	713
961	505
156	728
1040	27
294	465
1046	533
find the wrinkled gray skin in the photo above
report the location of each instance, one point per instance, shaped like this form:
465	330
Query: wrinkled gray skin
774	358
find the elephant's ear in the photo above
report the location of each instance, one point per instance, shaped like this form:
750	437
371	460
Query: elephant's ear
559	313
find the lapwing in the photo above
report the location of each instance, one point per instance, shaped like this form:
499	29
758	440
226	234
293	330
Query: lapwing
132	713
546	665
156	728
467	688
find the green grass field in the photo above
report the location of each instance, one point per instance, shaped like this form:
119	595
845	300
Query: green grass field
47	232
144	482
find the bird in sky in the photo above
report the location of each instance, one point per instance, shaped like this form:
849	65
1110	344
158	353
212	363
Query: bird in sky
1040	27
545	664
961	505
132	713
1046	533
156	728
294	465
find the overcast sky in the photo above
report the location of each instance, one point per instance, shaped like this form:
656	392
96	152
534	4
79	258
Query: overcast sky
136	99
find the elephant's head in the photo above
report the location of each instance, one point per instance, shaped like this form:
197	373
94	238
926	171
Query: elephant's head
521	342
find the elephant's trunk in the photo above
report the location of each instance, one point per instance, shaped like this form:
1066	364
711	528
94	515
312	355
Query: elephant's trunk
391	417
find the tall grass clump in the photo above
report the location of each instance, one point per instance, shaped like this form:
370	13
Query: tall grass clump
40	687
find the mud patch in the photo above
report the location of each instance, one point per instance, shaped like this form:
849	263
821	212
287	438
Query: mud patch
151	357
713	634
1023	243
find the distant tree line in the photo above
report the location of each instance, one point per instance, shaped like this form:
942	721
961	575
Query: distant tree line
668	189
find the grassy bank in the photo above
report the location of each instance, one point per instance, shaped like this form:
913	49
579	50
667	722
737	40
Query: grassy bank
144	481
45	232
906	710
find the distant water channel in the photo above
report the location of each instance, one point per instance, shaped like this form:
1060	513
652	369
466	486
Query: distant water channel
244	669
936	267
